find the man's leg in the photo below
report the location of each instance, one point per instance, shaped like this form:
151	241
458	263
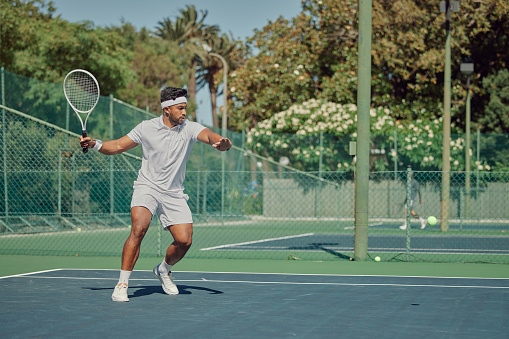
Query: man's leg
404	226
140	218
183	238
421	219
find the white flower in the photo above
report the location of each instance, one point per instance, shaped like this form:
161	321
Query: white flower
276	65
487	167
456	162
296	72
431	158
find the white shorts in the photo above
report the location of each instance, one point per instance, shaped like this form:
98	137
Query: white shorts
171	208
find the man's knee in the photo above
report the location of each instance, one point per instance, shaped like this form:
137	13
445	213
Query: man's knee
184	243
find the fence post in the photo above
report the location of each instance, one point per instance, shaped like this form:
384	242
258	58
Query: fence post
407	209
4	151
112	179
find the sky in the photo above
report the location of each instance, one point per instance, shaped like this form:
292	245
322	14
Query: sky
240	17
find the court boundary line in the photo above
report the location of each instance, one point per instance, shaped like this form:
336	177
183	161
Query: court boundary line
29	275
256	241
261	273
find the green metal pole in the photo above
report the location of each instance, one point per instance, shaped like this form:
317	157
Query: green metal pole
446	146
224	122
467	153
59	182
363	137
320	184
408	204
4	150
112	177
478	162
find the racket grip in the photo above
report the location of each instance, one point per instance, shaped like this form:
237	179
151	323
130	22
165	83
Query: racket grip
84	135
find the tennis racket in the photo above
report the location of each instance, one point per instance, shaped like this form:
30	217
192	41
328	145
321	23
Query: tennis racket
81	90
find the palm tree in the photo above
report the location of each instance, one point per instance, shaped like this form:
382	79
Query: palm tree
211	66
186	30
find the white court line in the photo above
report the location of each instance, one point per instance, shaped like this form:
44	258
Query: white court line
281	282
30	273
255	242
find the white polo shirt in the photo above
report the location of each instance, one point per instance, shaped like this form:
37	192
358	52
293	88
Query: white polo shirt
165	153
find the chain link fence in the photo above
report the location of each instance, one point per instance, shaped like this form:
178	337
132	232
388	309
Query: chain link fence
55	200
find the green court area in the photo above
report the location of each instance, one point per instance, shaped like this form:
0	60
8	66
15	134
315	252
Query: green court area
324	239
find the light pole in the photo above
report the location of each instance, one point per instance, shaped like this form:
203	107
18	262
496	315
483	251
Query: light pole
446	7
224	121
467	68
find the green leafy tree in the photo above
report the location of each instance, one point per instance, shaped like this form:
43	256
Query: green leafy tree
188	31
496	113
155	63
407	57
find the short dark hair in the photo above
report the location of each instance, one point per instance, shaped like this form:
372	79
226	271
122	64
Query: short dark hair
172	93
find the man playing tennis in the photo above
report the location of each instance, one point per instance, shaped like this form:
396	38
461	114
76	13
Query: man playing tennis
167	142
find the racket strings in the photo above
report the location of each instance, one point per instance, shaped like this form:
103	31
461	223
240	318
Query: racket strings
82	91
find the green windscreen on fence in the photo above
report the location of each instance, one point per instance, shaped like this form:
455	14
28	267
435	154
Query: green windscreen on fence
56	200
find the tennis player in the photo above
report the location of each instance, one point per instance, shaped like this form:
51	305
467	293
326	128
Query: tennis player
415	189
167	142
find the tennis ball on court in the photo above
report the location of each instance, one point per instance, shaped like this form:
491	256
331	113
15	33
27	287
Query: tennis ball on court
78	229
377	259
432	221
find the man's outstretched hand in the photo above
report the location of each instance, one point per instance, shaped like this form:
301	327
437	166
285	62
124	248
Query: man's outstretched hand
223	144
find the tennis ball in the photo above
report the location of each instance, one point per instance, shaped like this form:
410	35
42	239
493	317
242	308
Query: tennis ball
377	259
78	229
432	221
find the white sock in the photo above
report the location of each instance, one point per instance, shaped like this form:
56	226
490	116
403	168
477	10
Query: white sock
164	268
124	277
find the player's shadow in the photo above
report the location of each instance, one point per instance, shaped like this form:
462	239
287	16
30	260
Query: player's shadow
141	291
183	289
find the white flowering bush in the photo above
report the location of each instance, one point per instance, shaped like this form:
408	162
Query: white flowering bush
297	132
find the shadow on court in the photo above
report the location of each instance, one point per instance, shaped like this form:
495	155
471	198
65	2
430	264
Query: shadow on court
141	291
77	304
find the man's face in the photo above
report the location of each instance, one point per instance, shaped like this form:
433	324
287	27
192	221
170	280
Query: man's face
177	113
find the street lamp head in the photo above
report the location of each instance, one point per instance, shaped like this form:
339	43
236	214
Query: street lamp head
467	67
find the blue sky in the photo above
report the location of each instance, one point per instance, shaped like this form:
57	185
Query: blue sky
240	17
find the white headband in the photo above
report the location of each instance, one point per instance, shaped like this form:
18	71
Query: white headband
177	101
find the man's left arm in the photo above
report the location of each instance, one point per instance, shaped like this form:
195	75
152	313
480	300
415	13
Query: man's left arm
208	137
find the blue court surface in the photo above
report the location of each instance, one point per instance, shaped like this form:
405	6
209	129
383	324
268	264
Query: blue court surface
77	304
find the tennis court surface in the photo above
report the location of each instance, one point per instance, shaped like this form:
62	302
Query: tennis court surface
75	303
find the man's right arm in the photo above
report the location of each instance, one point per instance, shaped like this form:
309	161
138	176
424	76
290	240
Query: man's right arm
110	147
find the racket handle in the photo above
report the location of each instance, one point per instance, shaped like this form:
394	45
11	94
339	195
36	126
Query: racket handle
84	135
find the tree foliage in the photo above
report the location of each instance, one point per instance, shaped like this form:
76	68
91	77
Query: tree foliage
314	56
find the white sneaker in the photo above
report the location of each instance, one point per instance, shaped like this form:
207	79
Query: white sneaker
166	281
423	222
120	293
402	227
